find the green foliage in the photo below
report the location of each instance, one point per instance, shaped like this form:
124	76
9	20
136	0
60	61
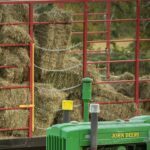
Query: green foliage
41	8
121	10
121	53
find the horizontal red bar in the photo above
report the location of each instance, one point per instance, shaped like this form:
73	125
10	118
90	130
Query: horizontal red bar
34	23
112	61
14	87
119	81
3	67
145	19
116	81
14	23
76	21
144	80
144	100
13	45
104	41
54	1
15	108
96	52
144	60
121	102
117	61
126	40
14	129
94	32
81	14
113	20
57	22
116	102
88	52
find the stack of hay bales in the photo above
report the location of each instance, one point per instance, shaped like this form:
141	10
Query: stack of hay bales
129	88
13	56
117	111
113	111
19	58
45	94
13	98
47	102
54	37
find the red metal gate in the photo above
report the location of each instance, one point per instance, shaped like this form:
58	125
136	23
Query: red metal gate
31	23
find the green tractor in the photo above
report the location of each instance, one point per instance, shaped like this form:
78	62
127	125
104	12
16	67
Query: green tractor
133	134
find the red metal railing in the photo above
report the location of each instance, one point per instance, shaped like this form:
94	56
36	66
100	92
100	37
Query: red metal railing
85	52
108	61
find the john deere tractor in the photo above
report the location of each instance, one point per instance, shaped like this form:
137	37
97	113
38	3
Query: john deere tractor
132	134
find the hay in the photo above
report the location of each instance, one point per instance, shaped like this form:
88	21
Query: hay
18	58
52	36
15	119
126	76
47	101
76	115
14	35
126	89
108	93
1	52
110	112
145	92
19	12
113	112
13	98
129	88
118	111
64	79
1	13
14	13
13	56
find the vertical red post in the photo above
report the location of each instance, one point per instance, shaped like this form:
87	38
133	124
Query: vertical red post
85	38
137	55
31	76
108	36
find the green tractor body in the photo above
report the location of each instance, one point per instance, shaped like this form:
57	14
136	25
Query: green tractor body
133	134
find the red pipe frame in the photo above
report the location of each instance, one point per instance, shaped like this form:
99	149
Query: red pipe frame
137	55
85	33
85	38
31	53
108	36
54	1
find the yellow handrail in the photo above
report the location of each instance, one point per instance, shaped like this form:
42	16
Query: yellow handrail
33	101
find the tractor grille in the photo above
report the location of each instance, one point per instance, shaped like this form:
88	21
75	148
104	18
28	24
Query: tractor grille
55	143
